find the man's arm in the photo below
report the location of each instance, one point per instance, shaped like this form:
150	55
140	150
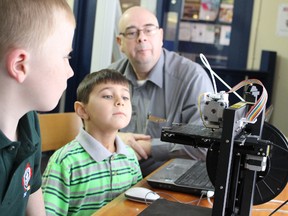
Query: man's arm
36	205
166	150
141	143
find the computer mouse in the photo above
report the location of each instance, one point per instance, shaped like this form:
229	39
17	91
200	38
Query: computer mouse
141	194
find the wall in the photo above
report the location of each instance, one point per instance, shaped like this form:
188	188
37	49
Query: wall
71	3
264	37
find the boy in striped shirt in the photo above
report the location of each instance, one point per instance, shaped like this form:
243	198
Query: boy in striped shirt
96	166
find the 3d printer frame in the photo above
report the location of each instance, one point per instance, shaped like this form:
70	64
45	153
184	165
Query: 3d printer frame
234	183
237	154
237	148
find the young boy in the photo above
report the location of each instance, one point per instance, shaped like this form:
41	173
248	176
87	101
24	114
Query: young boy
35	42
96	166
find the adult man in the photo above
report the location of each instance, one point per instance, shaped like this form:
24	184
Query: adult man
165	88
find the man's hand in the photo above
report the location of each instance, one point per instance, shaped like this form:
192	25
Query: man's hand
141	143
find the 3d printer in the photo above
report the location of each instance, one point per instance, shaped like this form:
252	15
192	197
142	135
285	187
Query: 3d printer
246	157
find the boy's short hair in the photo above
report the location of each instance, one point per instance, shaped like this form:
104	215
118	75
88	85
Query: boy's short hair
91	80
27	23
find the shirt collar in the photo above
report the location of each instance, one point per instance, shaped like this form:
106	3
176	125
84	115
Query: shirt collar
96	150
26	131
155	75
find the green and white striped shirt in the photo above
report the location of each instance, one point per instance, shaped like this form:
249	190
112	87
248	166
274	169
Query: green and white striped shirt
82	178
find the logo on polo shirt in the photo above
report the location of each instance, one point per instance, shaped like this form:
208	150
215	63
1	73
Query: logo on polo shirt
26	179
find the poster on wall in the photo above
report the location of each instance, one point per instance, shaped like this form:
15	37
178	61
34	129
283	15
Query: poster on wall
202	33
184	31
209	10
197	32
226	11
282	21
205	33
225	34
191	10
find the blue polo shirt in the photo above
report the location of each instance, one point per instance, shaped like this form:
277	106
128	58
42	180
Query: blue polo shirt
20	166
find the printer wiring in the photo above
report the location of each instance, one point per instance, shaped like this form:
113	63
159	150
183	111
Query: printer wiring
220	100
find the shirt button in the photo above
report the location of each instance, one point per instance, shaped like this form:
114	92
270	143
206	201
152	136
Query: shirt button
11	148
115	173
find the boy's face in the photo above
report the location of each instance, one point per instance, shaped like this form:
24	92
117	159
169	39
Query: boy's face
109	107
49	65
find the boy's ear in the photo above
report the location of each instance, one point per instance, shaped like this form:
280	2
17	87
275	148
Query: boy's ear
16	64
80	110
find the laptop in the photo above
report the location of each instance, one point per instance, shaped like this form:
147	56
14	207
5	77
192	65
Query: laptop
182	175
185	175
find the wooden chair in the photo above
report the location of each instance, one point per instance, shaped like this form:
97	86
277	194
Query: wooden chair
57	129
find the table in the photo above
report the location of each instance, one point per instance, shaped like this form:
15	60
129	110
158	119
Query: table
120	206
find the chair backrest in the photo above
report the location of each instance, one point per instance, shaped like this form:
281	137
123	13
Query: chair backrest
57	129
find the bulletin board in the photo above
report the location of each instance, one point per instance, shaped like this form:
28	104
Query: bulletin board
218	28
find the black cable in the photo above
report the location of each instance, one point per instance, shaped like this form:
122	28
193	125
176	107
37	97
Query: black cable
280	147
278	207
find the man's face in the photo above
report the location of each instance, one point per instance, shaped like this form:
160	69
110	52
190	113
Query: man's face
145	49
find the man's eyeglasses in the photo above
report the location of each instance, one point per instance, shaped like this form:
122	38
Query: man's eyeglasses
132	33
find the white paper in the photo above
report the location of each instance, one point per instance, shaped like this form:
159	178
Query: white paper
209	10
282	22
185	31
203	33
225	34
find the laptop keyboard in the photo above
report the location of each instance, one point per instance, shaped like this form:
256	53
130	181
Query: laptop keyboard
196	176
